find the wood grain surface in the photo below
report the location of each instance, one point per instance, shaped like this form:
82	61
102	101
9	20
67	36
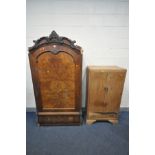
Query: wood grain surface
104	92
56	68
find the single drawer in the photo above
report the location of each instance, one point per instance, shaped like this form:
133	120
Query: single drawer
58	119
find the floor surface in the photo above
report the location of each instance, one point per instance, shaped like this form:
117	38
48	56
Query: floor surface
101	138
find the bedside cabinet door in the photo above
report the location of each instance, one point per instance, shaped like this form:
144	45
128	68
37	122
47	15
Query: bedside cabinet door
96	91
105	91
115	84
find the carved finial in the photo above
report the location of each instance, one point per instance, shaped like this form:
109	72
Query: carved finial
53	35
54	38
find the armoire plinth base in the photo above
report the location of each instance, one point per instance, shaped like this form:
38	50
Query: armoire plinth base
59	118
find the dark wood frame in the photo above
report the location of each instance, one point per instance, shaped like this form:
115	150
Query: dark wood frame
56	44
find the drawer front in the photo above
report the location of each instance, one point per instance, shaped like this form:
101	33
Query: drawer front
58	119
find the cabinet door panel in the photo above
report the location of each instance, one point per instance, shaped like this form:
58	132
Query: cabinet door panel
57	80
115	81
105	91
97	83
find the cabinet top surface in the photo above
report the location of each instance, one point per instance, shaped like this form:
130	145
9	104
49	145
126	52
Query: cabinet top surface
115	68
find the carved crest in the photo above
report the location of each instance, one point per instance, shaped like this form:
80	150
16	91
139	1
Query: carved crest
54	38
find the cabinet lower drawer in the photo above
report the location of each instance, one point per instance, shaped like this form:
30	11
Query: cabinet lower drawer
59	119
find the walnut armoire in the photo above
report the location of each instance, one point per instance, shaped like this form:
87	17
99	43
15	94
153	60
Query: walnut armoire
56	69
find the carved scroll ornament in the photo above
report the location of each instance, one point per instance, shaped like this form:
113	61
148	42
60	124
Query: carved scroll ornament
54	38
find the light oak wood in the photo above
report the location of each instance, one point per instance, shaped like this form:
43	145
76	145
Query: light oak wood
89	122
104	91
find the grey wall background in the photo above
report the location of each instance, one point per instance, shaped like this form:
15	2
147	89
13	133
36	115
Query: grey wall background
100	27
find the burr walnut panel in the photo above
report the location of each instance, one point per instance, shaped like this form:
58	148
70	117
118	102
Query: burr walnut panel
57	80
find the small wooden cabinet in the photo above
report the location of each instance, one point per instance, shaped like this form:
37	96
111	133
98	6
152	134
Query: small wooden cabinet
104	91
56	67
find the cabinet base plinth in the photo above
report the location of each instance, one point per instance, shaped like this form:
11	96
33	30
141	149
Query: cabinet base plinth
90	122
94	117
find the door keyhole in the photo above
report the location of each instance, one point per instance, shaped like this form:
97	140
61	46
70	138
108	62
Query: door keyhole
106	89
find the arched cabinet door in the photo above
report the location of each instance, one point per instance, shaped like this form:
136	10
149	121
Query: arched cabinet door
56	67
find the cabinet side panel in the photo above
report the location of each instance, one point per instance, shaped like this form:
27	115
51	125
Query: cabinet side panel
87	91
35	82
